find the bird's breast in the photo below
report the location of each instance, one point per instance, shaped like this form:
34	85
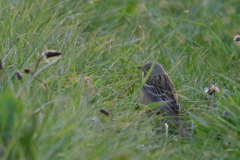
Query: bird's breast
144	98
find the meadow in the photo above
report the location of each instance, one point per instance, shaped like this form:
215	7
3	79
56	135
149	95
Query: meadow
105	42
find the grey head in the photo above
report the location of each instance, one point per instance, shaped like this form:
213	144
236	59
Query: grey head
157	69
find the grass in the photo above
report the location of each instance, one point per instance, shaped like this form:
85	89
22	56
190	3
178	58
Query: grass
107	40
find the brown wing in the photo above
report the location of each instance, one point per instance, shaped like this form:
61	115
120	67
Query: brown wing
162	89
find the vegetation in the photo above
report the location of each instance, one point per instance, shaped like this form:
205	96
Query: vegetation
53	113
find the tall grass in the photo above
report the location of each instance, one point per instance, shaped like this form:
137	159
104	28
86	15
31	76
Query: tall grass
107	40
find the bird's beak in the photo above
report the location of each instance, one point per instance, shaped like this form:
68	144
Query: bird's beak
140	67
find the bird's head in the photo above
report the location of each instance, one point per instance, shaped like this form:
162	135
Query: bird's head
157	69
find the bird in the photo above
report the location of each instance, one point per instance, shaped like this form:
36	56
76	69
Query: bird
158	88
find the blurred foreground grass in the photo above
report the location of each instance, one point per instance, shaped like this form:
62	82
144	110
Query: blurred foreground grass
107	40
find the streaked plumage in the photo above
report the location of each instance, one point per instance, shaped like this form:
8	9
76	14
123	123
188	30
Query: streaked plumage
159	87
